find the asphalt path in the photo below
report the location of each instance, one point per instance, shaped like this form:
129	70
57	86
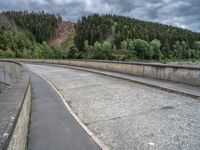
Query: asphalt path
52	125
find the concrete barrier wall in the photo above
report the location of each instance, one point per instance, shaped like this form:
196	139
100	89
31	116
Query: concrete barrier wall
9	72
19	137
181	74
14	106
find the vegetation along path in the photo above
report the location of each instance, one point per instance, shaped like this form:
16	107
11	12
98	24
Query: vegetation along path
127	115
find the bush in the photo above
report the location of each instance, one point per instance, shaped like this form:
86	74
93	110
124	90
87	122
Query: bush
124	45
47	52
155	44
100	51
197	45
58	52
143	49
73	53
14	40
37	51
7	54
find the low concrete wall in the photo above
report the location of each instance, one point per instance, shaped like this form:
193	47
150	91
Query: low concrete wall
181	74
15	103
19	137
9	71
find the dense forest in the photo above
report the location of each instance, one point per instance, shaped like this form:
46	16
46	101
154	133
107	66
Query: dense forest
117	29
26	34
40	24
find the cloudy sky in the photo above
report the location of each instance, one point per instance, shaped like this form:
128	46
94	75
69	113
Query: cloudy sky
182	13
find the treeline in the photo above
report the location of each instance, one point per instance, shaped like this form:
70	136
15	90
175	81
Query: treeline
30	41
40	24
16	44
117	29
135	49
104	37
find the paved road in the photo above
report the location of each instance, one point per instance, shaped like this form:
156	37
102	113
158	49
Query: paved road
52	125
126	115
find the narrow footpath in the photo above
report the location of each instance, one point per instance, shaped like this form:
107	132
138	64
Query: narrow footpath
52	125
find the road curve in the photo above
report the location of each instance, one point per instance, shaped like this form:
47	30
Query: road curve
127	115
52	125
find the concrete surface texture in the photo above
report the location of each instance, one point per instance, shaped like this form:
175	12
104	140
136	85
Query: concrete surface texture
52	125
2	86
126	115
185	89
19	137
182	74
15	106
186	63
9	72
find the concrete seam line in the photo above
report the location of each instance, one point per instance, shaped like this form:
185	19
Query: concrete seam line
87	130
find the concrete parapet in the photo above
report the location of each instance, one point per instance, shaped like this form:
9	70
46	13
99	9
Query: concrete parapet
175	73
15	103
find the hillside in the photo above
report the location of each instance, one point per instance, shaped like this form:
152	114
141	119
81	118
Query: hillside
118	28
40	24
26	34
63	30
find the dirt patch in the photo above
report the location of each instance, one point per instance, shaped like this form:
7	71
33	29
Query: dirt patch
63	30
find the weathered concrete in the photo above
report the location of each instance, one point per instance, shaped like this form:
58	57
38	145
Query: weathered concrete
181	74
126	115
179	88
52	125
14	105
19	137
2	86
9	71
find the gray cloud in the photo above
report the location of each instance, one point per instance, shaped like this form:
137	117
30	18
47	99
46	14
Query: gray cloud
179	13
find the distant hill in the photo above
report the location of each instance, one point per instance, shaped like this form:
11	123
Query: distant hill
43	26
26	34
40	24
118	28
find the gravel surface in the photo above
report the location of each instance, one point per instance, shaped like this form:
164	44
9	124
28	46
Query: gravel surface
126	115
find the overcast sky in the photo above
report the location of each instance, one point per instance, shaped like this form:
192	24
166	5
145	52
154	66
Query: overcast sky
182	13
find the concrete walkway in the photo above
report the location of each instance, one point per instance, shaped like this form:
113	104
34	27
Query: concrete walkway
126	115
52	125
189	90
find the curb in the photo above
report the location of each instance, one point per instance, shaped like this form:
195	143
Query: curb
87	130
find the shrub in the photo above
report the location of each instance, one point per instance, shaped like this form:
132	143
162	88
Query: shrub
155	44
37	51
100	51
73	53
58	52
47	52
7	54
143	49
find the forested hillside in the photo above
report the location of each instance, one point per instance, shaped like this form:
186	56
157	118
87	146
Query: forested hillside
117	29
40	24
26	34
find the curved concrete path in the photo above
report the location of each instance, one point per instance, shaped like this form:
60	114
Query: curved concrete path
52	125
127	115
